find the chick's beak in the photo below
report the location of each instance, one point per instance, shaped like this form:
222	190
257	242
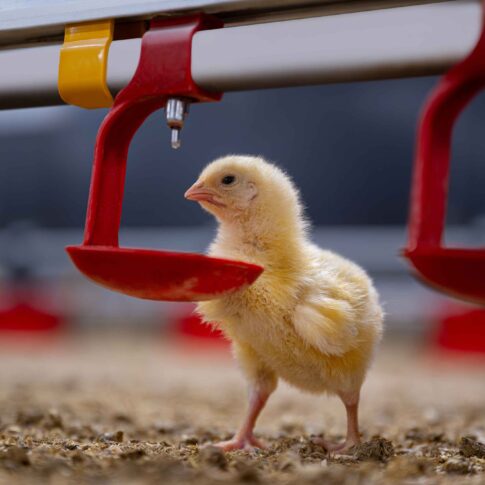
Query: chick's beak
200	193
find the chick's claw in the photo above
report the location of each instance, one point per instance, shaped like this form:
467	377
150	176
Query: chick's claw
339	448
246	443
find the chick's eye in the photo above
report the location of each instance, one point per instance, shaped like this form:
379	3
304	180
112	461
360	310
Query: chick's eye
228	180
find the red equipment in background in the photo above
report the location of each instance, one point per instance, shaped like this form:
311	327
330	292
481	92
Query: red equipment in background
457	271
26	305
188	324
460	328
24	309
22	316
164	71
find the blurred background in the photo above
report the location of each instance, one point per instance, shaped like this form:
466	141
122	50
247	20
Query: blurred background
349	147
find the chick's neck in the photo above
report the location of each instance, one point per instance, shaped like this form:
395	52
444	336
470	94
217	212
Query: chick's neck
264	238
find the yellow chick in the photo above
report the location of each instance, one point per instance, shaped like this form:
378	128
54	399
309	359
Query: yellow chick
312	318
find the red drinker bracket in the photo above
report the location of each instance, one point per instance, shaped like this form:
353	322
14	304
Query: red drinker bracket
163	72
457	271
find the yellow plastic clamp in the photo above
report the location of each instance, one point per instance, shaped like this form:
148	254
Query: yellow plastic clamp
83	64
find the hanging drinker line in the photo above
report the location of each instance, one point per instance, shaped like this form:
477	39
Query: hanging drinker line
163	73
457	271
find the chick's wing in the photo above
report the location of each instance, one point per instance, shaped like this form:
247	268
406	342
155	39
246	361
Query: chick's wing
333	304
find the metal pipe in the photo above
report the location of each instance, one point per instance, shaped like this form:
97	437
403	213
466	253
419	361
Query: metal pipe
395	42
378	44
24	21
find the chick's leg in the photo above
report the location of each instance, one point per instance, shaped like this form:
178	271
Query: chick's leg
351	402
262	382
244	438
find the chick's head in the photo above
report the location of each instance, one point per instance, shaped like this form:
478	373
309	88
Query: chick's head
235	187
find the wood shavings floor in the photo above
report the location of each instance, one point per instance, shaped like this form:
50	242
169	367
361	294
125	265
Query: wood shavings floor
106	408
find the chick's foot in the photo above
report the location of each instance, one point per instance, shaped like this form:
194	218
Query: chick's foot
351	402
340	448
244	438
240	443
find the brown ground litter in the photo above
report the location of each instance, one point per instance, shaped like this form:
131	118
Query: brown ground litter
129	410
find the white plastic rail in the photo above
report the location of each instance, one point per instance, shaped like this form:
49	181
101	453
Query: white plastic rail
376	44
